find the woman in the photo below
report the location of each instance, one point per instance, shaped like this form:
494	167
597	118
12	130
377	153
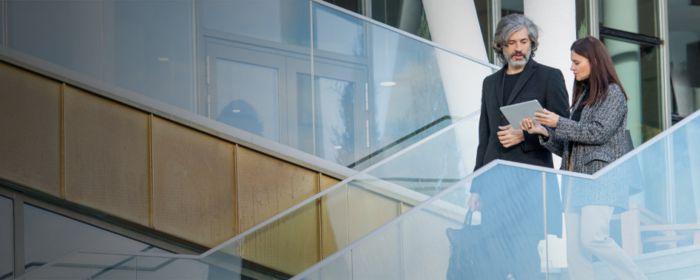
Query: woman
593	137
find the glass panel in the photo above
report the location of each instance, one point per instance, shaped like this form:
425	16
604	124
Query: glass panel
638	67
142	46
583	18
484	11
305	110
663	215
436	236
436	239
173	268
636	16
87	265
49	236
153	50
69	32
351	5
336	103
512	7
6	238
407	15
370	89
684	53
351	210
410	86
332	134
248	97
279	21
338	33
2	23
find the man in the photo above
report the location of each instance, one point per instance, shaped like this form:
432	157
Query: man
511	200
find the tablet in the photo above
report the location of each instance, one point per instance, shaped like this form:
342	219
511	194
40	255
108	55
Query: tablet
518	111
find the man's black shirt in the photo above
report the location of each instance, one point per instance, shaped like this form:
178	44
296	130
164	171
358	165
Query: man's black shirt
508	85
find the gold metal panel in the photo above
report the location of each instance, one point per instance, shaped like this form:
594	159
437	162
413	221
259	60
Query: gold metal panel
333	214
327	182
106	155
368	211
193	192
334	221
289	245
267	186
29	145
405	208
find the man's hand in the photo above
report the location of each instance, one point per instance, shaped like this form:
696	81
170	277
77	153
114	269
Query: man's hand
510	137
474	202
532	128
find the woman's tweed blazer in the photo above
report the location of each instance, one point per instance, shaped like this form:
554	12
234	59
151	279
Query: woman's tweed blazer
598	139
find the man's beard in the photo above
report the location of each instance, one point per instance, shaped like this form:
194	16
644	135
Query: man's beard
519	63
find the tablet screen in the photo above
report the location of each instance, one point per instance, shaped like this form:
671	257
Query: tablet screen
518	111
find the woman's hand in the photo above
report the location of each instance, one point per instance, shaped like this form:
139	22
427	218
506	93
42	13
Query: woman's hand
532	128
547	118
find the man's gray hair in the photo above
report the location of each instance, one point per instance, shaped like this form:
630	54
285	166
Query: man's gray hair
509	25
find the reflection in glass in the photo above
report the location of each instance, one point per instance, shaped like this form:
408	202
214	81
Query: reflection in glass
336	102
407	15
338	33
639	70
630	15
334	105
141	46
6	239
2	25
151	49
512	7
484	11
684	54
249	56
583	18
279	21
247	97
49	236
352	5
407	87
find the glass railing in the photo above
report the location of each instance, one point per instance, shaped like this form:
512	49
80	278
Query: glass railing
301	73
356	235
303	235
659	230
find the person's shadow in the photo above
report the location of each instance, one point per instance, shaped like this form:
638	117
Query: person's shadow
240	114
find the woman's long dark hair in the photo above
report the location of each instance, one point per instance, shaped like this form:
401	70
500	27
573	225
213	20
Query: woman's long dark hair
602	71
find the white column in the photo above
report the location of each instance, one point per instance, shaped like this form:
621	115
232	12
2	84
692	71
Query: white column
557	22
454	25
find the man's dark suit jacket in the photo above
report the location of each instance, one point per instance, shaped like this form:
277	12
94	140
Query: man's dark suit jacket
519	198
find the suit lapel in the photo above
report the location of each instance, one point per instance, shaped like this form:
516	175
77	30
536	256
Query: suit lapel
530	69
499	85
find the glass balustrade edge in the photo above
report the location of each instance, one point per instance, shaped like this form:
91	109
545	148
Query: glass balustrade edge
648	143
484	169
